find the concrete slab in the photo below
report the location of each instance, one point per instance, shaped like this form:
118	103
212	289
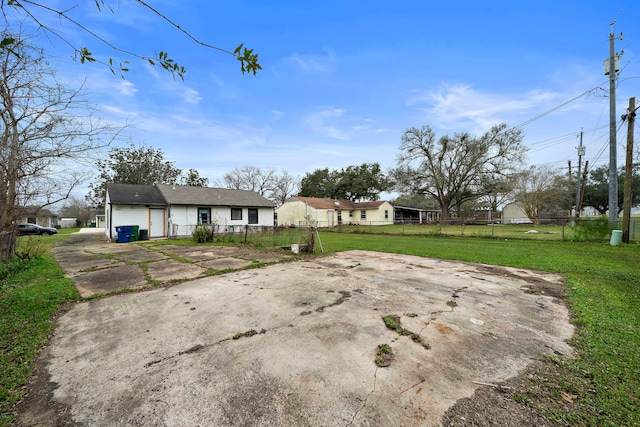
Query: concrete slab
295	344
172	270
226	263
267	256
201	253
75	261
109	279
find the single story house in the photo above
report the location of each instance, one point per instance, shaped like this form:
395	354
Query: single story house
176	210
513	213
37	215
319	212
68	222
100	219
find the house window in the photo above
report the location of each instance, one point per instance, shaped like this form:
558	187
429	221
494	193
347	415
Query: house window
204	216
363	214
253	216
339	216
31	220
236	214
386	214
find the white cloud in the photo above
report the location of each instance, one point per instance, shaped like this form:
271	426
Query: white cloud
321	122
460	106
277	115
313	63
191	96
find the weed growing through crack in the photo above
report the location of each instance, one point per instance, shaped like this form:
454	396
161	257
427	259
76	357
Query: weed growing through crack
452	304
384	356
392	321
249	333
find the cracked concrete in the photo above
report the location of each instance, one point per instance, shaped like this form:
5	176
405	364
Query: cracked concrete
168	356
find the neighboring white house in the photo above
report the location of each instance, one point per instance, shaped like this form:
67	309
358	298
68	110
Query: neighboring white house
175	210
513	213
228	209
319	212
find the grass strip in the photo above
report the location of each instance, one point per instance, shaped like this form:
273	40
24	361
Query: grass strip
29	301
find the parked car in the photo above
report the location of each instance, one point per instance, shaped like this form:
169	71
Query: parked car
33	229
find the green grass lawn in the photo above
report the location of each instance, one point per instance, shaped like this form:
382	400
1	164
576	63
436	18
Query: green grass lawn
499	231
603	293
29	299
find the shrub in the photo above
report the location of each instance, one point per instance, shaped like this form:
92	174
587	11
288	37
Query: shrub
592	229
204	234
14	266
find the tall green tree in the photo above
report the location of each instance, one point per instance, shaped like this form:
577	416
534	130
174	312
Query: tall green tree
138	165
192	177
596	191
456	169
320	183
355	183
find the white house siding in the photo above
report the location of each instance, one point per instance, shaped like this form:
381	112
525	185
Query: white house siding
298	213
293	212
376	216
514	214
127	215
184	219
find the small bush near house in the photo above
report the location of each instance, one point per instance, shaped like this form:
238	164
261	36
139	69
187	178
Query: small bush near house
204	234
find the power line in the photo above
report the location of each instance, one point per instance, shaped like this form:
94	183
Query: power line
521	125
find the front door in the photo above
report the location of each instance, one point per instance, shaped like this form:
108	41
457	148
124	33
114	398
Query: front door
156	223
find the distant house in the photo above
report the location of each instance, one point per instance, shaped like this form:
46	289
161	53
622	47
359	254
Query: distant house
319	212
513	213
175	210
37	215
100	218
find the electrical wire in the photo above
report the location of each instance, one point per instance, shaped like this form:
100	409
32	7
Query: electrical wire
590	91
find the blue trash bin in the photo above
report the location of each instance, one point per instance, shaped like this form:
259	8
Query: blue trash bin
124	234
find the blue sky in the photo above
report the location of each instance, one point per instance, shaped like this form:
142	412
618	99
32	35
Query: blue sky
342	80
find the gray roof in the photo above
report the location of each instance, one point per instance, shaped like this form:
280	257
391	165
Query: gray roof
133	194
205	196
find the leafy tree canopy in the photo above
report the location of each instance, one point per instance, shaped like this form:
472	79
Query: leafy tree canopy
142	165
33	11
356	183
596	191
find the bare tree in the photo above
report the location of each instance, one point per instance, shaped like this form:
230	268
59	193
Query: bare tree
455	169
284	186
542	188
77	208
34	10
267	182
45	127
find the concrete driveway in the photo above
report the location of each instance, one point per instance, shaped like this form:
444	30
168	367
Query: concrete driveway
295	343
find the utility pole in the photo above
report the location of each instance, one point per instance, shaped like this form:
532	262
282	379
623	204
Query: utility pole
584	183
581	151
626	217
611	66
